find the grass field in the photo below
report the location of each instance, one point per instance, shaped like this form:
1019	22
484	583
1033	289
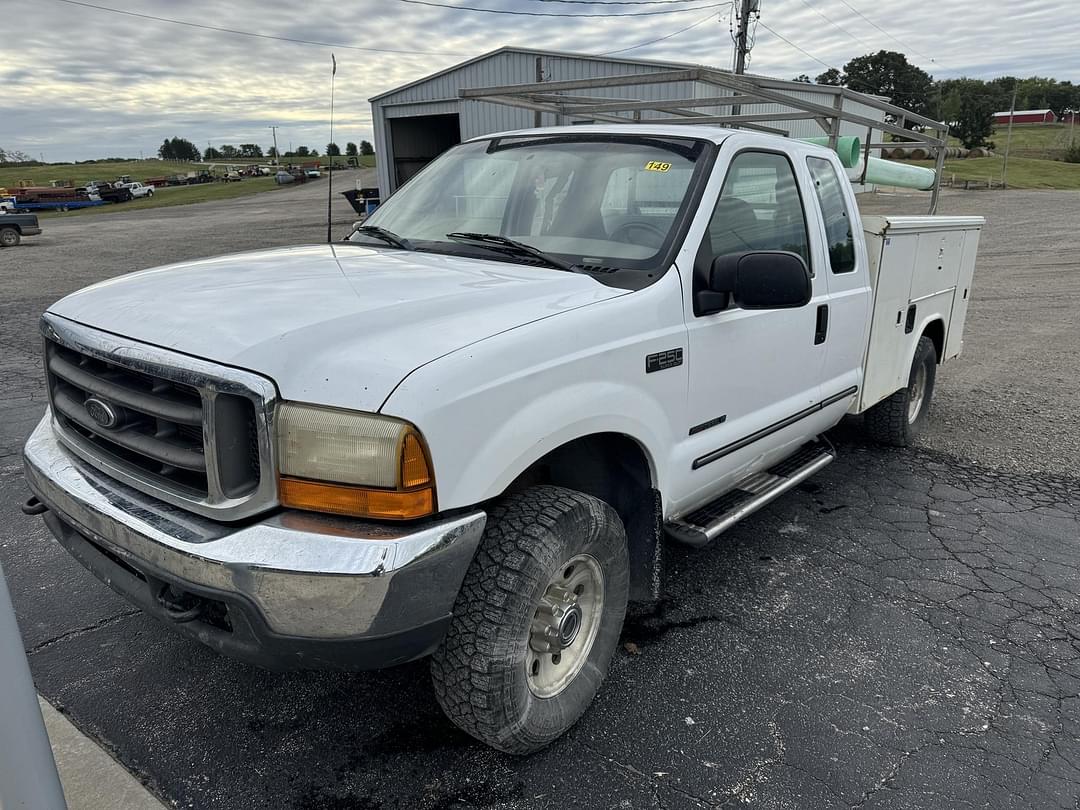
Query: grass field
177	195
82	173
1024	172
1046	141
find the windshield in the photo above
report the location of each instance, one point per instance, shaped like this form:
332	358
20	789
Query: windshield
597	202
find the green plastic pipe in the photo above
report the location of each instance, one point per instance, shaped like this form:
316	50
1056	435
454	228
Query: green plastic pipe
888	173
847	148
882	172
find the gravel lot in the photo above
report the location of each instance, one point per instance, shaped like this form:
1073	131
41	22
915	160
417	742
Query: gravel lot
899	632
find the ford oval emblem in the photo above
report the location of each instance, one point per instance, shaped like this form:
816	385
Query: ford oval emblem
102	412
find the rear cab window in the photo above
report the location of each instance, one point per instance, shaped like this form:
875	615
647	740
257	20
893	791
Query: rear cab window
834	213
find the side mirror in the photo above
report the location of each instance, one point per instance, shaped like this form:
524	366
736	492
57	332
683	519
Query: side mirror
761	279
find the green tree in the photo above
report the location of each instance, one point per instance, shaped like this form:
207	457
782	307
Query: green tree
210	153
889	74
302	151
272	152
332	149
366	148
250	150
178	149
802	78
831	76
350	149
229	152
974	121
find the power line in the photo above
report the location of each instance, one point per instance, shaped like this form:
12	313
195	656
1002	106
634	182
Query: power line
238	32
558	14
837	26
793	45
886	33
617	2
658	39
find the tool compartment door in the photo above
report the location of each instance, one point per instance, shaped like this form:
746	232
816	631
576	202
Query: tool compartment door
916	267
892	265
954	340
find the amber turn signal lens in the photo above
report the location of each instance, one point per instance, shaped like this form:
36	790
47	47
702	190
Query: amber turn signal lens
414	466
336	499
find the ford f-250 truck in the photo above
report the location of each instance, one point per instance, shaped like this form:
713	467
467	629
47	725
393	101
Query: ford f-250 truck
464	430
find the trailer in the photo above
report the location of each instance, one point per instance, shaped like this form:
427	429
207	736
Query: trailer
56	205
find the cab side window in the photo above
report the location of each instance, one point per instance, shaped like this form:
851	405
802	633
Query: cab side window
759	208
834	212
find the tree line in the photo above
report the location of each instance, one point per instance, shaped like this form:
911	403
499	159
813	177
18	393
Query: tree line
967	105
182	149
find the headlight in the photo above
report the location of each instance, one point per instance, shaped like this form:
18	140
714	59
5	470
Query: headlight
351	463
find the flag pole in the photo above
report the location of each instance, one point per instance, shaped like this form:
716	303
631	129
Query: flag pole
330	179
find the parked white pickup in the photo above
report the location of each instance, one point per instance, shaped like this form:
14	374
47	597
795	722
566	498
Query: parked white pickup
465	429
139	189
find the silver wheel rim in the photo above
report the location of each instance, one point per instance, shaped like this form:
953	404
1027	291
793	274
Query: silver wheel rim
564	626
916	394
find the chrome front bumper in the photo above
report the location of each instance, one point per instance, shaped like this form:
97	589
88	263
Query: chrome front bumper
301	576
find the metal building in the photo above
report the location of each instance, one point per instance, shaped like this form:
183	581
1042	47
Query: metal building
418	121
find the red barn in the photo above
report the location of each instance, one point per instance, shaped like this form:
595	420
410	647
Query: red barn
1026	117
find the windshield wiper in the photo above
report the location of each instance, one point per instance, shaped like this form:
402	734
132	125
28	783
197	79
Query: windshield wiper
387	236
493	240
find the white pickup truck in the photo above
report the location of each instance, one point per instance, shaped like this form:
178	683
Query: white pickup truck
139	189
465	430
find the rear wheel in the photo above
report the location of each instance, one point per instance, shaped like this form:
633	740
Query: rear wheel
900	418
9	237
536	621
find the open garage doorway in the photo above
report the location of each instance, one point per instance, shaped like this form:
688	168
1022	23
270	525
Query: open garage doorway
417	140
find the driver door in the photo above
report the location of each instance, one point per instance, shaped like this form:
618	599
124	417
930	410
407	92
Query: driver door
754	374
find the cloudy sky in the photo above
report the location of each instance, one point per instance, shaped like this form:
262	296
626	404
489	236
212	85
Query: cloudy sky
81	82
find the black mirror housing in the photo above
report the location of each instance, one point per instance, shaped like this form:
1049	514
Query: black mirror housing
762	279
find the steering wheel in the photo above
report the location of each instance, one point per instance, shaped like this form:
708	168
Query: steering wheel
647	227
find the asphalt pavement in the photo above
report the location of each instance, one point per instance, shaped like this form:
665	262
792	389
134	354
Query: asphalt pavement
899	632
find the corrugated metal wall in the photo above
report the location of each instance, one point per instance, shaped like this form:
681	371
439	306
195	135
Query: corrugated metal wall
439	94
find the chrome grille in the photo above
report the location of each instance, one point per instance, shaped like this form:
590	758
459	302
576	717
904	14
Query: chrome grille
181	429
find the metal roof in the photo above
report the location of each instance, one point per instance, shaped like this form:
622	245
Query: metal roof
565	55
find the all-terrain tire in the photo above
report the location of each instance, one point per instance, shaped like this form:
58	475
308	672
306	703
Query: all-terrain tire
480	670
897	421
9	237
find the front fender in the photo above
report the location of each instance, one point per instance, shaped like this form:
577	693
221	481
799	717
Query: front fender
549	422
490	410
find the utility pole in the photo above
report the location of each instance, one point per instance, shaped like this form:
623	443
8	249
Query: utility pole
742	40
277	157
1008	142
747	7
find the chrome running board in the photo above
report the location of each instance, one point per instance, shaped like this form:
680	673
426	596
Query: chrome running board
750	494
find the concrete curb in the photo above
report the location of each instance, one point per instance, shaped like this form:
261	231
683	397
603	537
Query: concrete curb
91	778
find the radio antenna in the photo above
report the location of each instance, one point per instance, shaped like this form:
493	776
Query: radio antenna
330	178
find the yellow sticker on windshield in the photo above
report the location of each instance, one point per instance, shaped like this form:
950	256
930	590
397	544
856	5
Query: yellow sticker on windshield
657	166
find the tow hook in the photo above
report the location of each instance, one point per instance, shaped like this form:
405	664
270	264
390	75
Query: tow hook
180	607
33	506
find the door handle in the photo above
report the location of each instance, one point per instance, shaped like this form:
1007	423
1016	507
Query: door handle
822	329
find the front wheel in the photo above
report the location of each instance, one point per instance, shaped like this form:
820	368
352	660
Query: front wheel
9	237
536	621
900	418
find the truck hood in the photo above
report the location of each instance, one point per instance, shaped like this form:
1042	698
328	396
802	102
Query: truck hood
335	324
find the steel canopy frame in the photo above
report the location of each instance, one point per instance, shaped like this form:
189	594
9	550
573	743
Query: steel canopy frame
746	91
